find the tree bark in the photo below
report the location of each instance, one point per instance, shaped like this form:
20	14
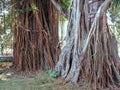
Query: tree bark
89	54
36	35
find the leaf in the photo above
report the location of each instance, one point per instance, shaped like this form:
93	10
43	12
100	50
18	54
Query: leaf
116	3
53	73
33	7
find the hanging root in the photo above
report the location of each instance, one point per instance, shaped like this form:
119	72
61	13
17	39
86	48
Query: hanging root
115	74
35	35
93	57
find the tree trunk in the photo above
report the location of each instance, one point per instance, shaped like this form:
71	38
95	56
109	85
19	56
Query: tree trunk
91	52
35	35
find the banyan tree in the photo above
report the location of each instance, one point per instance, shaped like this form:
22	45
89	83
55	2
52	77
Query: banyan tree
35	34
90	54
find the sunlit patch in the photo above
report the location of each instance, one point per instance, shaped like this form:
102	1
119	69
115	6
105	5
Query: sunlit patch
5	64
4	77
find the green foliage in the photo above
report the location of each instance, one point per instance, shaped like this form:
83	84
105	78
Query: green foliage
115	17
65	4
7	22
115	13
21	11
116	3
28	9
33	7
53	73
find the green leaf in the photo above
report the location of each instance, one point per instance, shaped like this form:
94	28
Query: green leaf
21	11
33	7
53	73
116	3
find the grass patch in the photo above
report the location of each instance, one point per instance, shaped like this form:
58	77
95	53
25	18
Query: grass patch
39	81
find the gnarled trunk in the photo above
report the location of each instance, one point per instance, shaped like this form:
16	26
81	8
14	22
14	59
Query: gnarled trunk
36	35
90	53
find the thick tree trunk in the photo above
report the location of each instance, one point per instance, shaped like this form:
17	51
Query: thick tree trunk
36	35
90	53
